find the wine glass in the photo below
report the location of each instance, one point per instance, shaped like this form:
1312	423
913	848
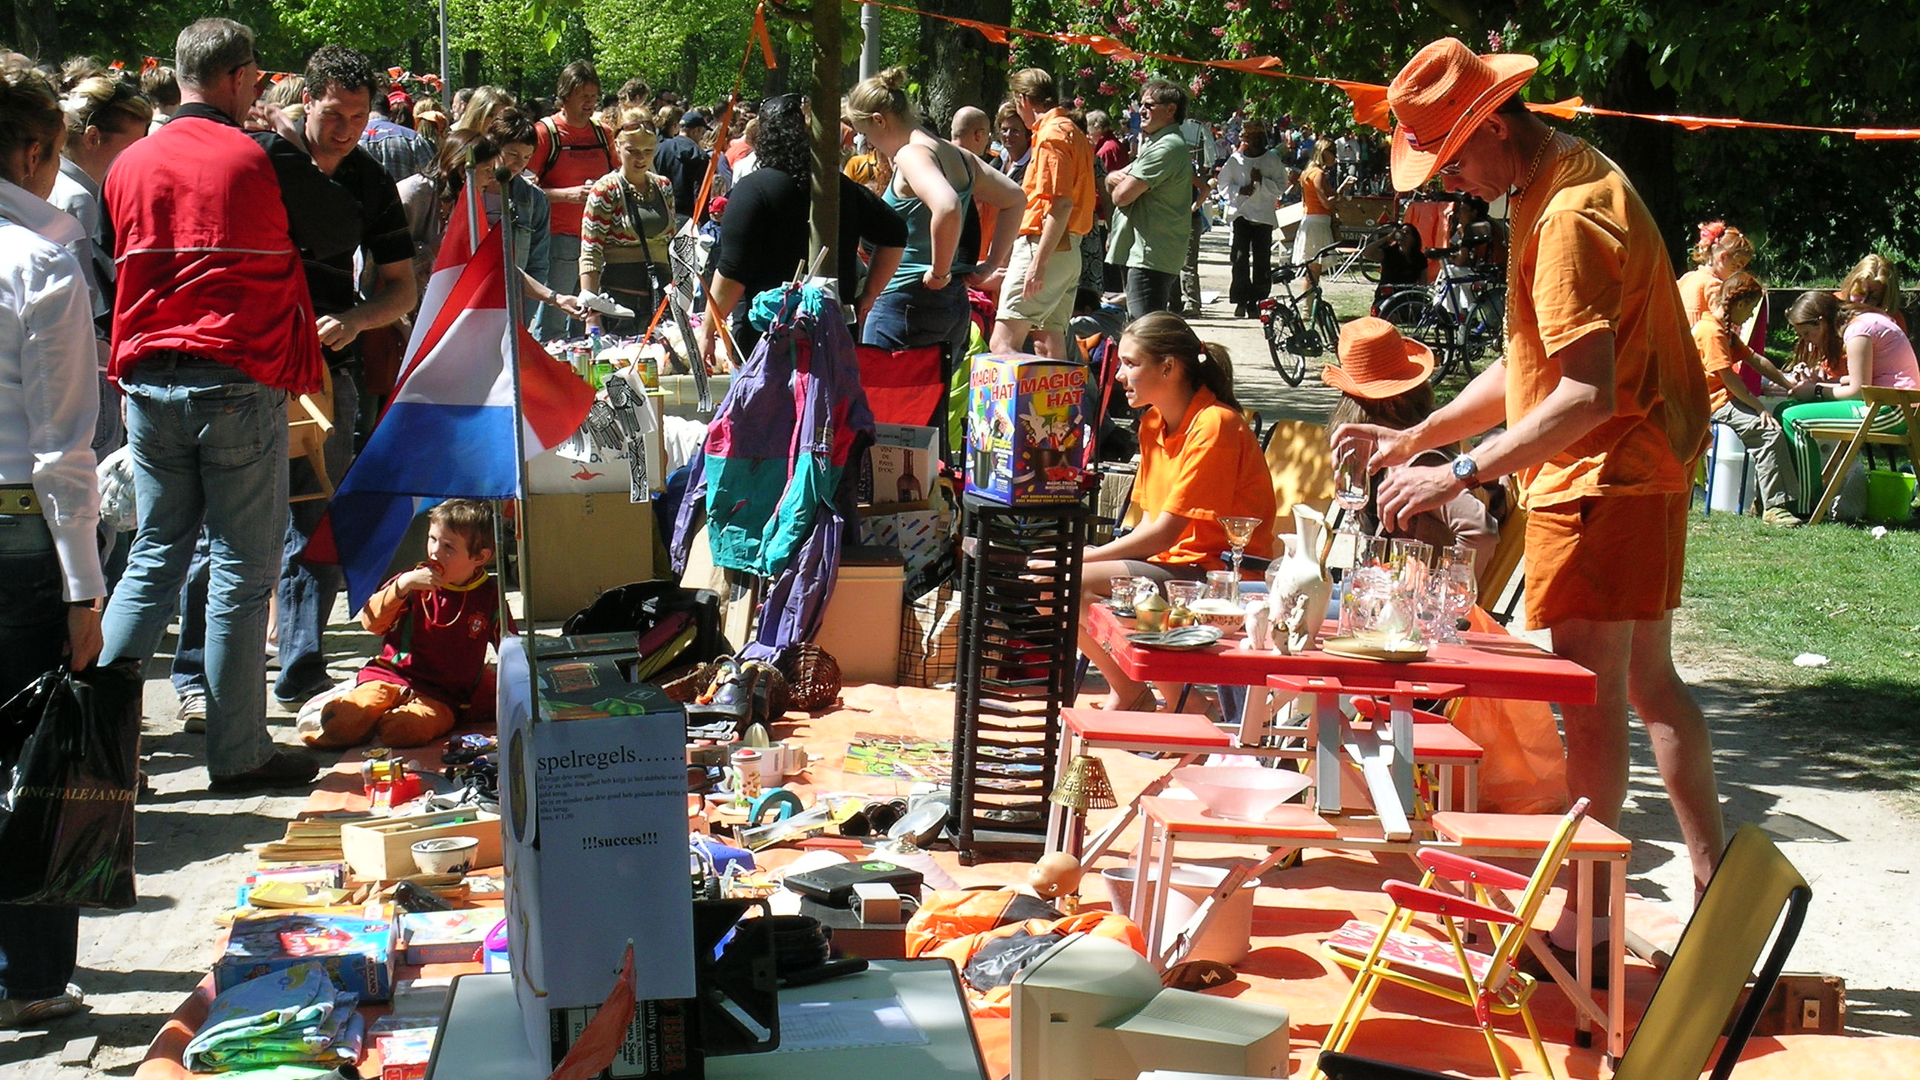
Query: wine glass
1363	589
1351	478
1461	587
1239	534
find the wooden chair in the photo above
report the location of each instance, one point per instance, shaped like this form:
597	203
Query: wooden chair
1498	571
1754	889
1487	983
1301	465
309	422
1886	407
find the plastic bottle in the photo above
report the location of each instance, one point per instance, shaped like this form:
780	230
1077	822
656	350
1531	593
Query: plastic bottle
596	347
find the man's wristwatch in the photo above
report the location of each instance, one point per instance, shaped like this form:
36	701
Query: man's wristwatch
1465	470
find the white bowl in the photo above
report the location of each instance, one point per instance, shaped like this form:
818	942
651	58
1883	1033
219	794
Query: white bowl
445	854
1241	792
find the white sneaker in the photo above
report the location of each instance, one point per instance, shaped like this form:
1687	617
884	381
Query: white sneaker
193	712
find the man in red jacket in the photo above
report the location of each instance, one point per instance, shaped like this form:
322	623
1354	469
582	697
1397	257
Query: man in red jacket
212	329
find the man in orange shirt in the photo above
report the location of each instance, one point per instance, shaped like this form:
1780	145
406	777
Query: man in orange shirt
1044	270
571	150
1605	406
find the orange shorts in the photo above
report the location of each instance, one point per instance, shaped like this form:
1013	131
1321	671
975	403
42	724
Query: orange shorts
1613	558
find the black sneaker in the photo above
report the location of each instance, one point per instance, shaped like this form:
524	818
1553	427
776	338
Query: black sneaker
20	1014
286	768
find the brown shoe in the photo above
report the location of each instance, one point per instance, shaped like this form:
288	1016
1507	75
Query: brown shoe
286	768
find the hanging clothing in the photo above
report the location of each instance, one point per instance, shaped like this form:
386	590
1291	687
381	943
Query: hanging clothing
772	475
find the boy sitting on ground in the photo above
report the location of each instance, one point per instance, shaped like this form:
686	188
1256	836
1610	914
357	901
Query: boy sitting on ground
437	620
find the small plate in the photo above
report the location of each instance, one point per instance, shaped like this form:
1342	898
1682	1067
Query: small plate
1181	638
1356	649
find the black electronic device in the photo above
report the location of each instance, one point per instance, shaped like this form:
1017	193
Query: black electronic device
833	885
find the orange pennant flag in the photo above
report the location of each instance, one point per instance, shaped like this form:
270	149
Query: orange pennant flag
395	72
1559	110
760	34
149	64
1369	103
995	34
593	1052
1873	134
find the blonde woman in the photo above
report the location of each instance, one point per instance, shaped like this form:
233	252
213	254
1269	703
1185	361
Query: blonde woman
933	183
627	225
485	104
1317	196
104	116
1874	284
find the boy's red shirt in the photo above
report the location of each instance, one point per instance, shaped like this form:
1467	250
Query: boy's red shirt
435	639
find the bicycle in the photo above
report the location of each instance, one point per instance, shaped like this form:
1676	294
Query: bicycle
1291	339
1460	316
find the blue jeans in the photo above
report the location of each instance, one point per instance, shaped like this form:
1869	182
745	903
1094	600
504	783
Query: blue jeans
38	943
1149	291
190	650
563	276
209	447
307	592
916	316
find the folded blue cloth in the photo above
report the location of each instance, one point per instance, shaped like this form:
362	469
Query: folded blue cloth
293	1015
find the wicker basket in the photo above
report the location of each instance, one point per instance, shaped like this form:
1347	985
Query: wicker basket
813	676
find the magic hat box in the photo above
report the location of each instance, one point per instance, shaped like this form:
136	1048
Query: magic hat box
1027	429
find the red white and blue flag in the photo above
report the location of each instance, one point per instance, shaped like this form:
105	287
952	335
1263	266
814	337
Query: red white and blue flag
448	429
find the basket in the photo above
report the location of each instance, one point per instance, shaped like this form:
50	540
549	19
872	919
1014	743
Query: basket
813	676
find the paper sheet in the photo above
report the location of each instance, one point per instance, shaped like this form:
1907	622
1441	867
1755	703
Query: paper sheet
844	1025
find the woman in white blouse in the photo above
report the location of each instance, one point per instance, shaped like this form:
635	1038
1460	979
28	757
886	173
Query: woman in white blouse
50	582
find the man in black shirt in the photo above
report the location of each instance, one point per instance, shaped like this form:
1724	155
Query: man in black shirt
764	237
681	160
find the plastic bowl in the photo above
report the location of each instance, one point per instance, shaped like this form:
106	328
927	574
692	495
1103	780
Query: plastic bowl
445	854
1221	613
1241	792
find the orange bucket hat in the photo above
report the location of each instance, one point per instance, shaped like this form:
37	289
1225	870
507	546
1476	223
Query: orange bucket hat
1440	97
1376	363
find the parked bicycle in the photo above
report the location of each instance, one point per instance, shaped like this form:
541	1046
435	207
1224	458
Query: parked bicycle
1300	326
1461	316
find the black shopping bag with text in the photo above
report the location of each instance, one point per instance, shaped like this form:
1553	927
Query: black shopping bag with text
69	770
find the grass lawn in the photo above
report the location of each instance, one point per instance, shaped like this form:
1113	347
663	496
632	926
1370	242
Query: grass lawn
1757	596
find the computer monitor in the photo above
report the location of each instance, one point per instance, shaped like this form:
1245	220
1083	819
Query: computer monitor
1090	1008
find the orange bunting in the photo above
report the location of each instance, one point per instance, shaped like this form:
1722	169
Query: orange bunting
395	72
1369	104
149	64
760	34
118	65
1559	110
279	76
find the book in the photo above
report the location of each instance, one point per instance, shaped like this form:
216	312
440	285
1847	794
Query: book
357	952
447	937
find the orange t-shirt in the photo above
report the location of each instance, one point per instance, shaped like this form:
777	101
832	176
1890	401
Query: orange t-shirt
1698	289
1719	351
1061	165
1311	201
586	155
1213	469
1590	259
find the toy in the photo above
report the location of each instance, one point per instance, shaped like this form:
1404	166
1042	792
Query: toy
1026	429
1055	877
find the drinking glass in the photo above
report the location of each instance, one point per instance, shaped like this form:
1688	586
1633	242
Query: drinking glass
1239	533
1181	596
1351	479
1364	589
1222	585
1461	588
1120	592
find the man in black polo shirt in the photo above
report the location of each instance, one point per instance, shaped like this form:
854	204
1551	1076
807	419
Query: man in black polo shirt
339	100
682	160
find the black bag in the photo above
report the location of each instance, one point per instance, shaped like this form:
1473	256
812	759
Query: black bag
639	607
69	771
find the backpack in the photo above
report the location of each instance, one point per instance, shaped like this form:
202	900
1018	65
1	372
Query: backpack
552	128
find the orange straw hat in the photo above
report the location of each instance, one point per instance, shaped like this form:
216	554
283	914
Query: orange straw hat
1376	363
1440	97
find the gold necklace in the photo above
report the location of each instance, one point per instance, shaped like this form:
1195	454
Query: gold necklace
1514	233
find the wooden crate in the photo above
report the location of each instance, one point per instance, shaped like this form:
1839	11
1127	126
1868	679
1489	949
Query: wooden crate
383	850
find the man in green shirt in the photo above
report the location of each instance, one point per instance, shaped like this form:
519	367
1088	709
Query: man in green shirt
1153	203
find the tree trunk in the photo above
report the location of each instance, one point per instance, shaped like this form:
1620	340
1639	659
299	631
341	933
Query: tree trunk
36	30
963	67
1644	151
470	62
825	95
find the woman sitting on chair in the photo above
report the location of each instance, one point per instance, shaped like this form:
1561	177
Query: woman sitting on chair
1845	348
1199	462
1382	379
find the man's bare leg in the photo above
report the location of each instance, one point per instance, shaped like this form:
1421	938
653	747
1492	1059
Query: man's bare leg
1010	335
1682	745
1596	734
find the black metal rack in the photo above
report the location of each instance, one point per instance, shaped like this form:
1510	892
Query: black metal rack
1020	582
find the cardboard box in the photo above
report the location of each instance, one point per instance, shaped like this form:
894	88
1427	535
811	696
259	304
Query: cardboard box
679	396
861	627
582	545
357	952
901	465
1026	429
446	937
924	539
596	856
383	850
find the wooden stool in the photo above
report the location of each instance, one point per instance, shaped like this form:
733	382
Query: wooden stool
1189	735
1529	834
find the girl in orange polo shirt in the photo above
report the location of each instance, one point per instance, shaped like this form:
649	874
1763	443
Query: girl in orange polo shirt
1199	462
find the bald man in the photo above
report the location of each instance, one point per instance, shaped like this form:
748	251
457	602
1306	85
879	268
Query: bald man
973	129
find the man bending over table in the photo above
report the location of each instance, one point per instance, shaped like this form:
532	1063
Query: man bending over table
1605	406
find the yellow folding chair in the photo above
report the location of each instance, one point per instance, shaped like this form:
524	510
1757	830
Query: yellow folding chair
1488	983
1891	418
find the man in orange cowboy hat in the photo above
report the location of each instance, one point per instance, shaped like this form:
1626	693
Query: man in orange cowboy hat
1605	408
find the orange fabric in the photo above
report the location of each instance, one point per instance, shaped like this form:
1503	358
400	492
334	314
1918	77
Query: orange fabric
1591	260
400	717
998	1002
1698	289
989	220
1523	765
1311	201
1719	351
1061	166
1434	221
1575	552
1212	469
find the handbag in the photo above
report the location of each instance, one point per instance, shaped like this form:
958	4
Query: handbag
69	772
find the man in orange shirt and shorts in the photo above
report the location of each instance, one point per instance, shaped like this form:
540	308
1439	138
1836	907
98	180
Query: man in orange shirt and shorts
1605	406
1044	270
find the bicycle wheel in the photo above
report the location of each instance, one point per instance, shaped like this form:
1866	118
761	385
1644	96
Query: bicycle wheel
1327	327
1413	311
1283	332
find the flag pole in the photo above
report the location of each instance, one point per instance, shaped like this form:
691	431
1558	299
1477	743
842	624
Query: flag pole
510	276
499	547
